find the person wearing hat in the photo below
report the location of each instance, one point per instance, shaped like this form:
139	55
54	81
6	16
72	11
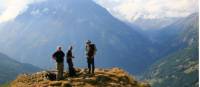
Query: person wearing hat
90	53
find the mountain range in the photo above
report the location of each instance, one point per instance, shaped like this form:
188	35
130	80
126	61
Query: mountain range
165	57
154	24
44	26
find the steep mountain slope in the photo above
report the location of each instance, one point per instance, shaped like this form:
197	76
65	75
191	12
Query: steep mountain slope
113	77
180	67
71	22
10	68
178	35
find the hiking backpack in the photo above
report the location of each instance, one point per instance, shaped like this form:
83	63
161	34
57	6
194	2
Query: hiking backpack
92	50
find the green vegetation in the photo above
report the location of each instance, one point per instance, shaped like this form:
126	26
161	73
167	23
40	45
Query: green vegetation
177	70
10	68
5	85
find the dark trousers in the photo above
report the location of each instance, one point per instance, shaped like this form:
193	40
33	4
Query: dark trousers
91	65
72	71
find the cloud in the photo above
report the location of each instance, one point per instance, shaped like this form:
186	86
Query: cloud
9	9
150	9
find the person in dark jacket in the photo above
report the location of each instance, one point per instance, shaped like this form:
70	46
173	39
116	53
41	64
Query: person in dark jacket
69	54
59	57
90	53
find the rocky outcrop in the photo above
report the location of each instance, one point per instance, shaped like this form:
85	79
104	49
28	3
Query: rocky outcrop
113	77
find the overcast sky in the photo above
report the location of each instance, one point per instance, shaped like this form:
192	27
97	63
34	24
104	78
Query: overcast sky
123	9
132	9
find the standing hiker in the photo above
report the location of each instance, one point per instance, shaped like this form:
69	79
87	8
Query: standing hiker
69	54
90	53
59	57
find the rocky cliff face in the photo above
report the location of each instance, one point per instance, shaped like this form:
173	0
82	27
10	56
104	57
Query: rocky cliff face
113	77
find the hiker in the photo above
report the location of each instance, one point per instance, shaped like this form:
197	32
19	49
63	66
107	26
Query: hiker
59	57
69	54
90	53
